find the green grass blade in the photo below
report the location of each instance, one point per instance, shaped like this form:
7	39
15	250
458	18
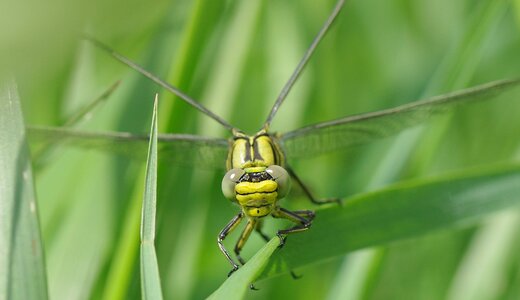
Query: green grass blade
402	211
239	282
492	249
22	266
150	280
120	274
517	9
356	274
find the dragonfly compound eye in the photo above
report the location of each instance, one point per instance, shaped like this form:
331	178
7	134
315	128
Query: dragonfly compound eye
229	181
282	178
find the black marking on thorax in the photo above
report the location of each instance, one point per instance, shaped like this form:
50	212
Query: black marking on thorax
247	147
256	151
252	149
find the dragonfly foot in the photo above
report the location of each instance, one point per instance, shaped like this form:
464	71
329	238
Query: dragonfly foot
253	287
295	276
338	201
282	240
235	267
327	201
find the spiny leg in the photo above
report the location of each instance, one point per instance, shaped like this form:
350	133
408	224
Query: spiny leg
251	223
222	235
302	223
309	214
308	192
258	229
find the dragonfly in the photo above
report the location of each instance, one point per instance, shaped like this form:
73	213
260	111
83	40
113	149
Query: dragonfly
258	167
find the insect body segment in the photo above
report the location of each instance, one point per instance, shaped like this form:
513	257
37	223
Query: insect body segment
257	199
260	150
256	189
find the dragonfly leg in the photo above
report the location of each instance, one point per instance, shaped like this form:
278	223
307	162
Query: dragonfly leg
258	229
308	192
222	235
309	214
251	223
302	223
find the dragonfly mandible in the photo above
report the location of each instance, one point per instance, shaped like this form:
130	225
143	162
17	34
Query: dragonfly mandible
258	166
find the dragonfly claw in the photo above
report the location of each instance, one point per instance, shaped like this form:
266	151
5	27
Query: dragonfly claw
337	200
282	240
235	267
295	276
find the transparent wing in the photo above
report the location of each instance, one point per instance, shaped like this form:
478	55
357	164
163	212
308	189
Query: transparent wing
181	149
353	130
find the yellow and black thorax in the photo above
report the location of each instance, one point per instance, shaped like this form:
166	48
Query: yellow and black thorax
260	150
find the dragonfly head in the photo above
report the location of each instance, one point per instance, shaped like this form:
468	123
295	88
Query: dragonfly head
256	189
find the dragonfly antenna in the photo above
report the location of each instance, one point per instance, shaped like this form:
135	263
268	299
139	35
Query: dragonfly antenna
287	87
159	81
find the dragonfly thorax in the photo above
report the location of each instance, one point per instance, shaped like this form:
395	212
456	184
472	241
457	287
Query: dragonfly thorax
260	150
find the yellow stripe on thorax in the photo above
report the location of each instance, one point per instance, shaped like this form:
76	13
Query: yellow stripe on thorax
254	151
265	150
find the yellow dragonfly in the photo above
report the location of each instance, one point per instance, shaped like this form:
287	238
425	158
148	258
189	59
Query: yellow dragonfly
258	166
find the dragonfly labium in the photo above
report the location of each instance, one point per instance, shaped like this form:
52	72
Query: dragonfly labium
258	171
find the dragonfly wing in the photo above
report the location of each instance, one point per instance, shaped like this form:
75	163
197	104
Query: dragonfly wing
358	129
181	149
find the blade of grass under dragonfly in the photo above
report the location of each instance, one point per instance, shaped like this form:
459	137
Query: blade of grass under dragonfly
401	211
188	149
358	129
22	265
150	279
236	286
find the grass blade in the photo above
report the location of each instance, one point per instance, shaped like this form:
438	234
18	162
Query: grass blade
150	280
402	211
492	249
22	266
238	284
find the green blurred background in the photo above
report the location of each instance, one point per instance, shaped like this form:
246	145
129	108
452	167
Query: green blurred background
235	56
